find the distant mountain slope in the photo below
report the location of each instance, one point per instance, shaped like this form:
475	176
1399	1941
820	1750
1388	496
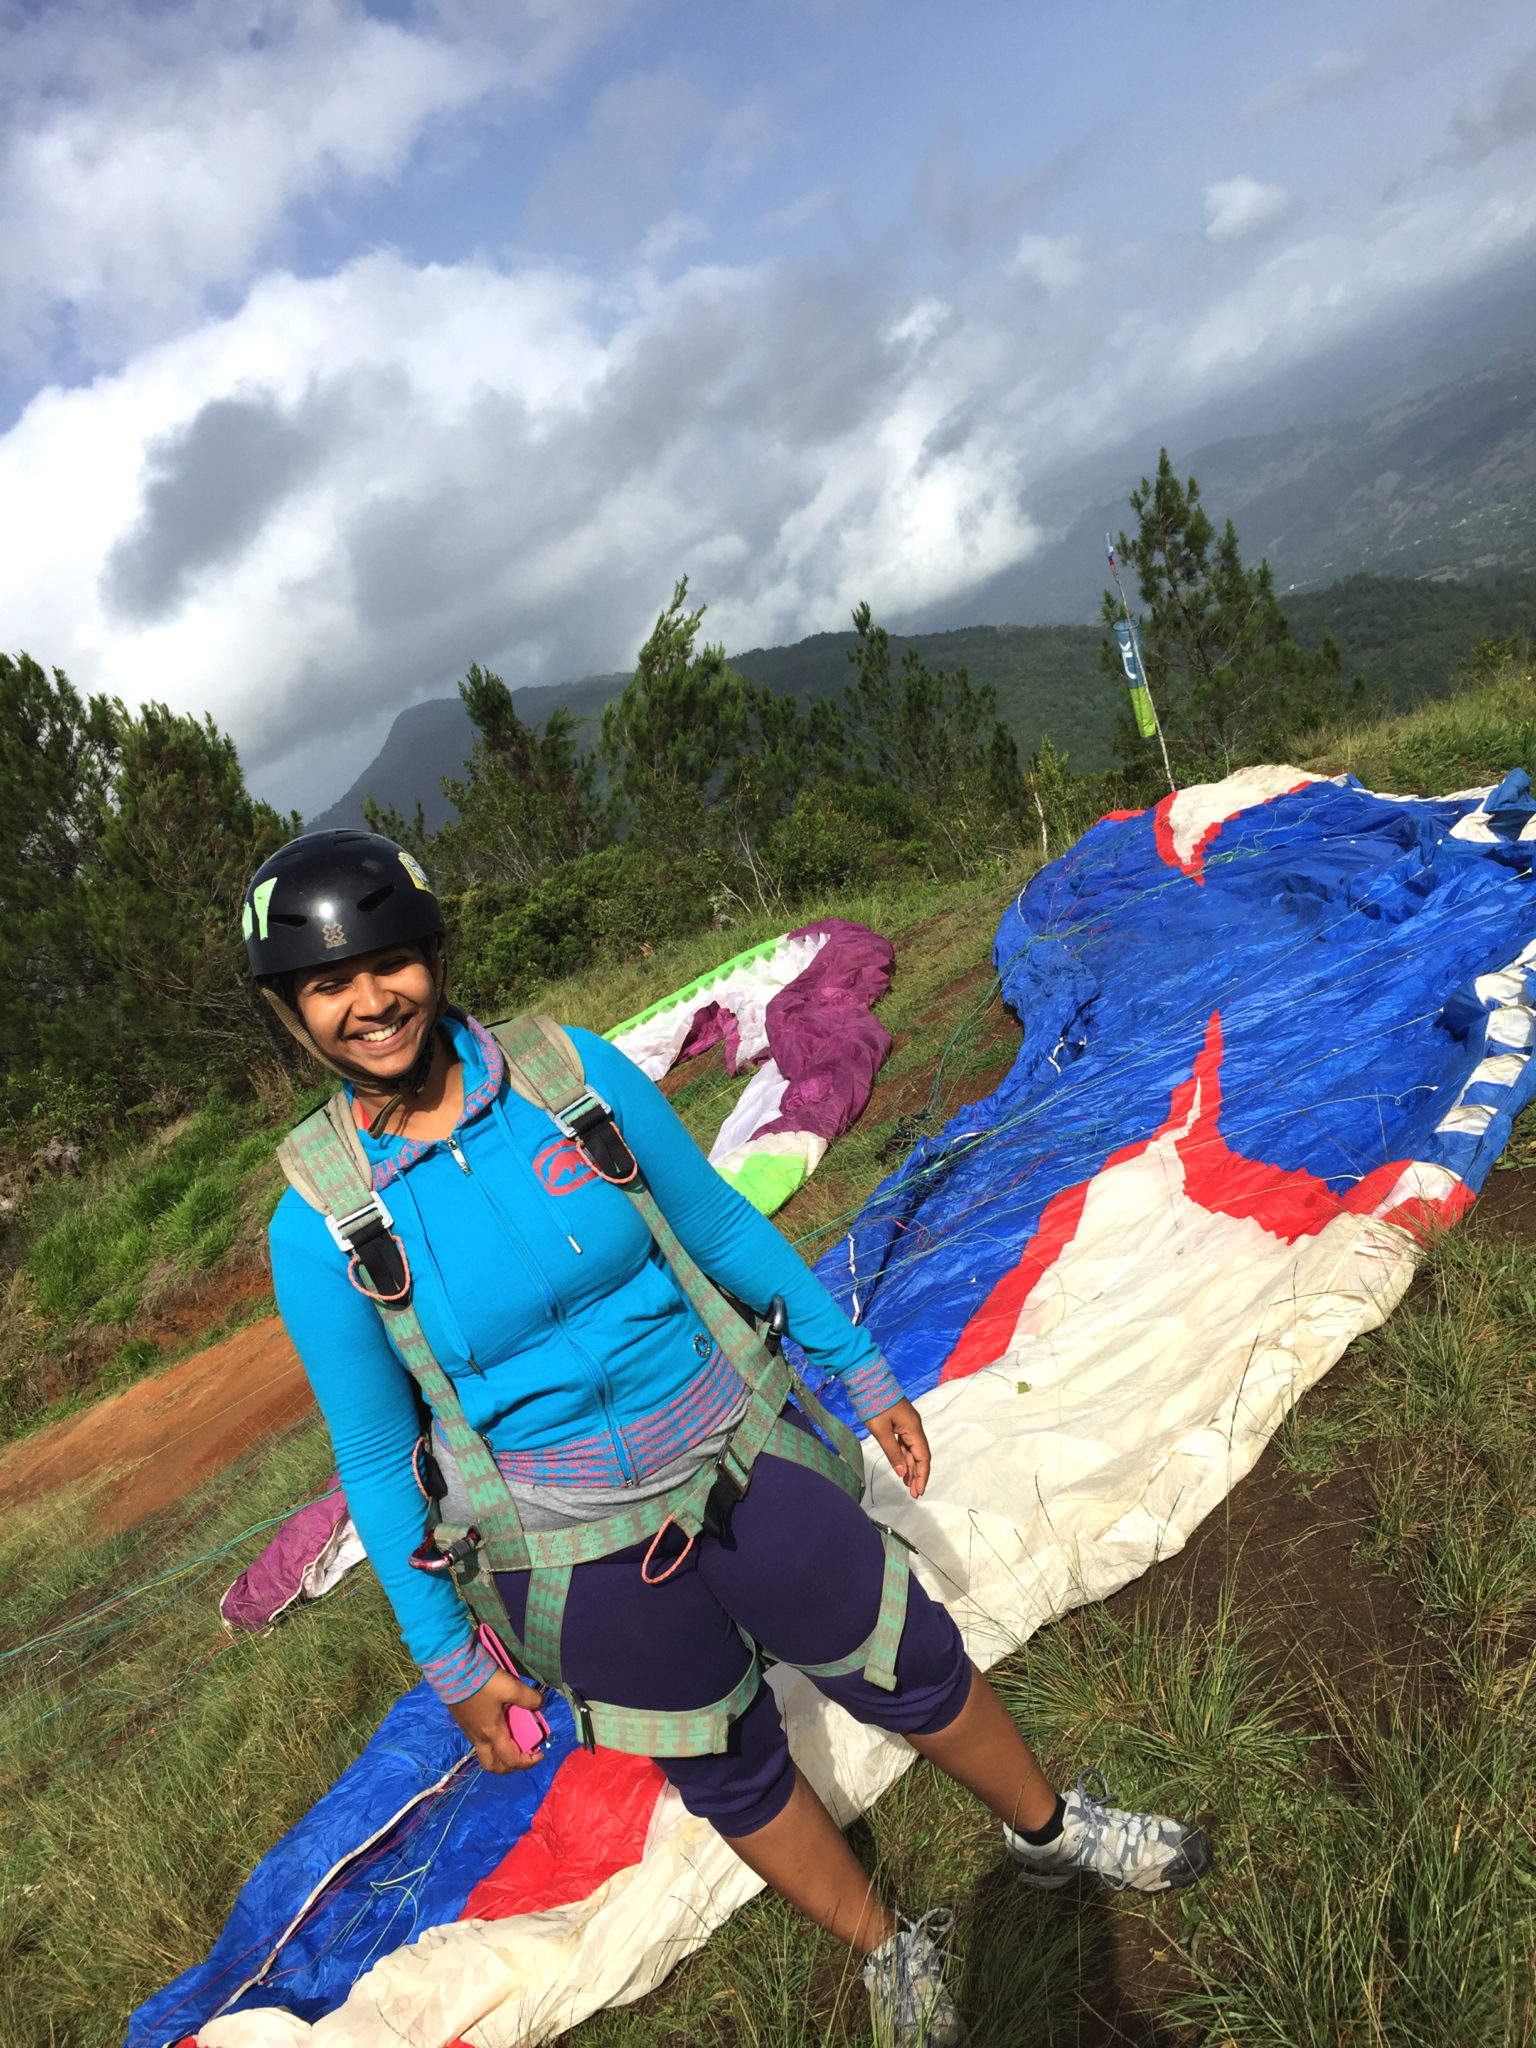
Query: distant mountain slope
1409	634
1047	678
432	740
1442	483
1401	632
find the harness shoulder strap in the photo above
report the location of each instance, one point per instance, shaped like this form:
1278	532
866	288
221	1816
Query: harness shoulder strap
545	1068
307	1158
543	1065
324	1160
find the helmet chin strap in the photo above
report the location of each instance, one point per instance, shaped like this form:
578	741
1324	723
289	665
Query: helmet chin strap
410	1083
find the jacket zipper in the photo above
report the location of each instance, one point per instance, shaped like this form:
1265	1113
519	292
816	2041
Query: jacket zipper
594	1372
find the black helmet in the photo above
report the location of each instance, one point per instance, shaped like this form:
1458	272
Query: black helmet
331	895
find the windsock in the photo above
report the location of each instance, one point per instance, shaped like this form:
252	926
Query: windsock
1136	677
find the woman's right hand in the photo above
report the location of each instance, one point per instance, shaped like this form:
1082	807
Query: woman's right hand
483	1717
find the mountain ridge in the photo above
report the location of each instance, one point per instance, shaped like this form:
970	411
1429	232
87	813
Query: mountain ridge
1403	635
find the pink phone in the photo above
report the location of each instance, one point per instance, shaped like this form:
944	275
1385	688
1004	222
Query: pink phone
530	1731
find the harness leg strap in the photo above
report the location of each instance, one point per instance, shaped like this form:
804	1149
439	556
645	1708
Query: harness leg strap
543	1621
680	1731
875	1657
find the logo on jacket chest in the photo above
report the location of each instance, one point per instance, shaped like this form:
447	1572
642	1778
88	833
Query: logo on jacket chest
561	1167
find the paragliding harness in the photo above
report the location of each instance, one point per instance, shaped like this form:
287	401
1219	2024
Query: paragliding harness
324	1161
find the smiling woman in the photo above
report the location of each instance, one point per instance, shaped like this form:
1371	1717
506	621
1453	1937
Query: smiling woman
345	939
627	1493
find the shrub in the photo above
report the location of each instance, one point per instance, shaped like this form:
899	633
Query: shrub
63	1265
255	1152
140	1355
214	1243
819	847
210	1134
616	902
126	1255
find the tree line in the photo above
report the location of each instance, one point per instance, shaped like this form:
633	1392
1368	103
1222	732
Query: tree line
127	837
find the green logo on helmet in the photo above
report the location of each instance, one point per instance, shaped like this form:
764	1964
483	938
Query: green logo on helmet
254	914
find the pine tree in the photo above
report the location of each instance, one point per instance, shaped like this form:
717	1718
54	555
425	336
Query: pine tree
671	741
1229	682
528	804
179	841
921	729
56	759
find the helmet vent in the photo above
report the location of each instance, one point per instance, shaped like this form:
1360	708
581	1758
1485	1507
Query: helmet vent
296	918
375	897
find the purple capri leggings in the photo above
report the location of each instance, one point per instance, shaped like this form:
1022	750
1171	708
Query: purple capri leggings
801	1574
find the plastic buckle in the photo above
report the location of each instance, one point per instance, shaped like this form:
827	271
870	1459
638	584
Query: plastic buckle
344	1233
582	1115
721	1500
589	1124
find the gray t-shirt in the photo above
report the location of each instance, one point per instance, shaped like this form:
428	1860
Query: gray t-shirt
564	1507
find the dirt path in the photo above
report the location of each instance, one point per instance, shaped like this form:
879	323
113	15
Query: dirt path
158	1440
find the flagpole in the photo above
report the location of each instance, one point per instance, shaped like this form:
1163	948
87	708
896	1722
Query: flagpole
1109	549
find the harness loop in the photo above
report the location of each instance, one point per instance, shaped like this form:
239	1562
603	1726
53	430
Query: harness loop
661	1578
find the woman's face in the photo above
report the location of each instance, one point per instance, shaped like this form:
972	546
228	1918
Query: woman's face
371	1012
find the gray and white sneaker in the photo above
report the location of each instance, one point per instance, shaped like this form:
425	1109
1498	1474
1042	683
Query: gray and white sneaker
905	1976
1138	1852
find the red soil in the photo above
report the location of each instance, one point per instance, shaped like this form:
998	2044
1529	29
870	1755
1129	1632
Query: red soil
145	1448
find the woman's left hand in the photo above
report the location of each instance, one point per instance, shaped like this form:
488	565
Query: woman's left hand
899	1433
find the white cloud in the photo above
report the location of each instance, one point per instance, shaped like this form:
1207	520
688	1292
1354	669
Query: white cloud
347	491
328	498
152	155
330	501
1238	207
1317	292
1054	262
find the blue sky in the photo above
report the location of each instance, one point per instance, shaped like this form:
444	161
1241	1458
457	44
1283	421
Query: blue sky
342	346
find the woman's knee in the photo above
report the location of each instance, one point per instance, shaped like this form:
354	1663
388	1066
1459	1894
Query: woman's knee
933	1675
750	1783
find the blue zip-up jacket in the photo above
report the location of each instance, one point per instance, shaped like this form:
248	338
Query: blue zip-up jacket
572	1349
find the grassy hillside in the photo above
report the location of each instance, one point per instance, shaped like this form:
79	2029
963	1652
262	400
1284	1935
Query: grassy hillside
1337	1676
1462	742
158	1249
1407	636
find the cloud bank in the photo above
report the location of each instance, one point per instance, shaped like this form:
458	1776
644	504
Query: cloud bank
1238	207
301	496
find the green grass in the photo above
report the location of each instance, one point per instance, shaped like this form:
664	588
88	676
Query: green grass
146	1757
1410	1916
1462	742
144	1225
